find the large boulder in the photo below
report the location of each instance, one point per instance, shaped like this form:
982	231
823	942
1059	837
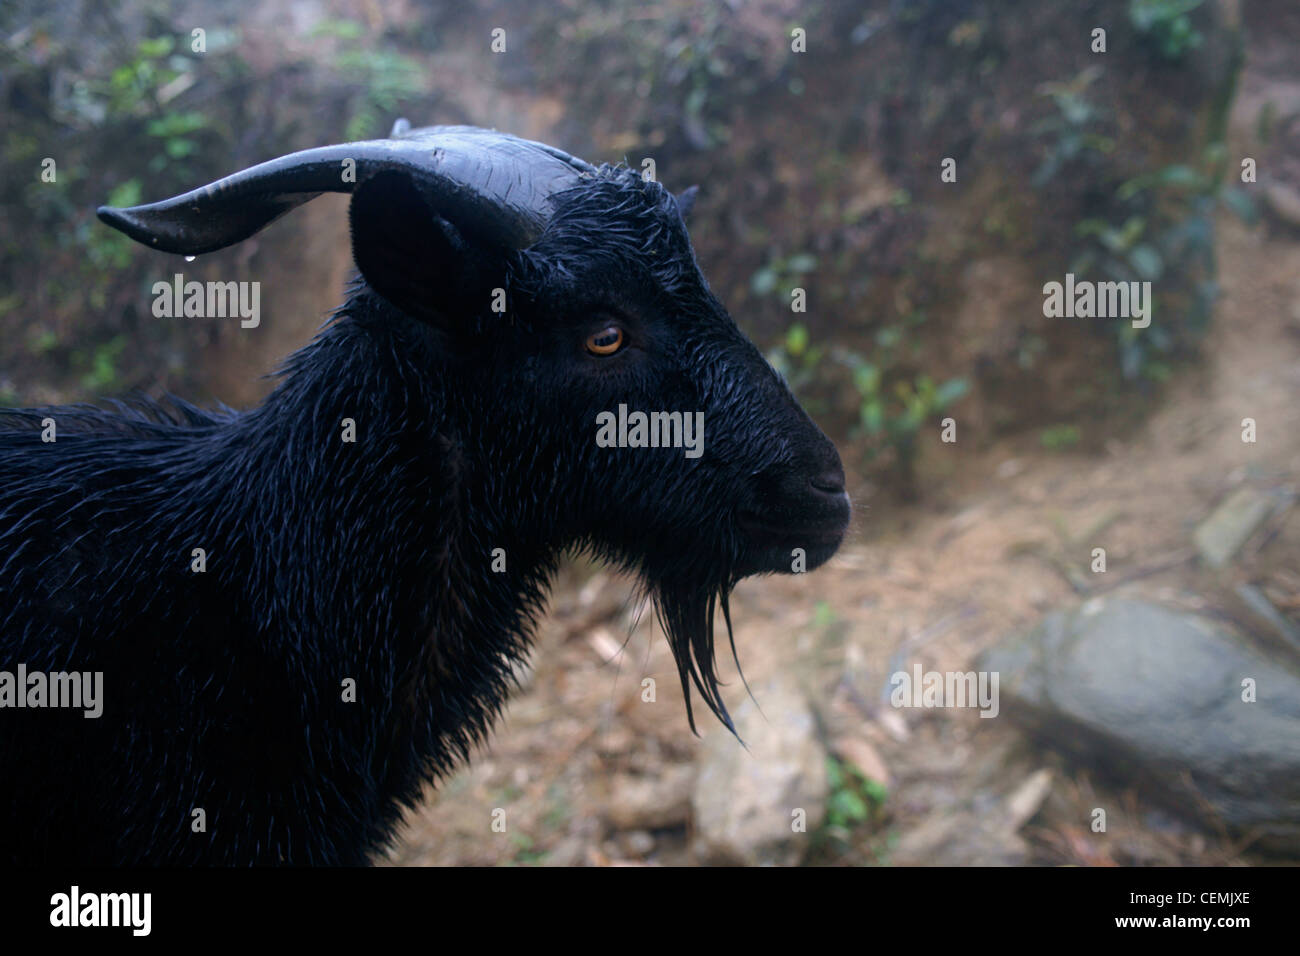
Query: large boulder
1164	699
746	800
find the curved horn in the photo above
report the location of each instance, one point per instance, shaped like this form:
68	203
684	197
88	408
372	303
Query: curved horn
494	185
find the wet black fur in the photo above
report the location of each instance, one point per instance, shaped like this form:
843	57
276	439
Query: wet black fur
328	560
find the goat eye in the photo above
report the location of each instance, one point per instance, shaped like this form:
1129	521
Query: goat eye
606	341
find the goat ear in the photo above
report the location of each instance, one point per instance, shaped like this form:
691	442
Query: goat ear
686	201
416	259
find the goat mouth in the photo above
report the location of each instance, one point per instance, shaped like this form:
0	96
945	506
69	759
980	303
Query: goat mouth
788	544
825	527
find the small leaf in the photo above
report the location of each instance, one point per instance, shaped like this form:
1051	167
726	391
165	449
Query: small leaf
157	47
125	194
950	391
1146	261
1179	175
796	339
847	806
866	378
1241	203
873	416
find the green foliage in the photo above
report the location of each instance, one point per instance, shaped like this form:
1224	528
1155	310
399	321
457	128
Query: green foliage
145	86
824	615
1072	131
134	84
383	80
525	853
1166	24
1156	227
175	130
107	249
893	407
43	341
894	403
684	68
797	359
131	119
855	800
780	277
1166	237
101	362
1059	437
126	193
340	29
699	67
116	111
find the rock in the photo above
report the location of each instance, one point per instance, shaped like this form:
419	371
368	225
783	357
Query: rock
1283	201
1027	798
571	851
1257	602
1155	697
979	830
637	843
959	838
651	803
745	800
1229	526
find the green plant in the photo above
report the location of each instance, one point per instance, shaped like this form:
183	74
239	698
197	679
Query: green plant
1058	437
525	853
107	249
1166	24
892	409
144	86
854	800
175	130
701	67
101	363
1167	232
1071	131
383	80
1157	227
893	404
824	615
780	277
796	358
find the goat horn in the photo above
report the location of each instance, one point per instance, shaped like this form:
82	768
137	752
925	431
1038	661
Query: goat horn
496	185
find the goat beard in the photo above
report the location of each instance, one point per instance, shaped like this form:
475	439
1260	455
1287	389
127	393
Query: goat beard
685	608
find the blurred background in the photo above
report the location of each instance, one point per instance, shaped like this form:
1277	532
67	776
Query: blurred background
1109	525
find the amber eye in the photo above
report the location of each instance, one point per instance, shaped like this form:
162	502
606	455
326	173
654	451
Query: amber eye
605	342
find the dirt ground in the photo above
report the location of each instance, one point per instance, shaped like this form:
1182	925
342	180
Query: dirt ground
1003	535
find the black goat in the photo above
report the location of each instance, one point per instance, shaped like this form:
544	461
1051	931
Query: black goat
376	561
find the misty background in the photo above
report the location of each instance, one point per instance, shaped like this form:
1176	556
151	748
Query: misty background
885	189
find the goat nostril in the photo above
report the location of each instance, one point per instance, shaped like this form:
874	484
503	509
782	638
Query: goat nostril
831	483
